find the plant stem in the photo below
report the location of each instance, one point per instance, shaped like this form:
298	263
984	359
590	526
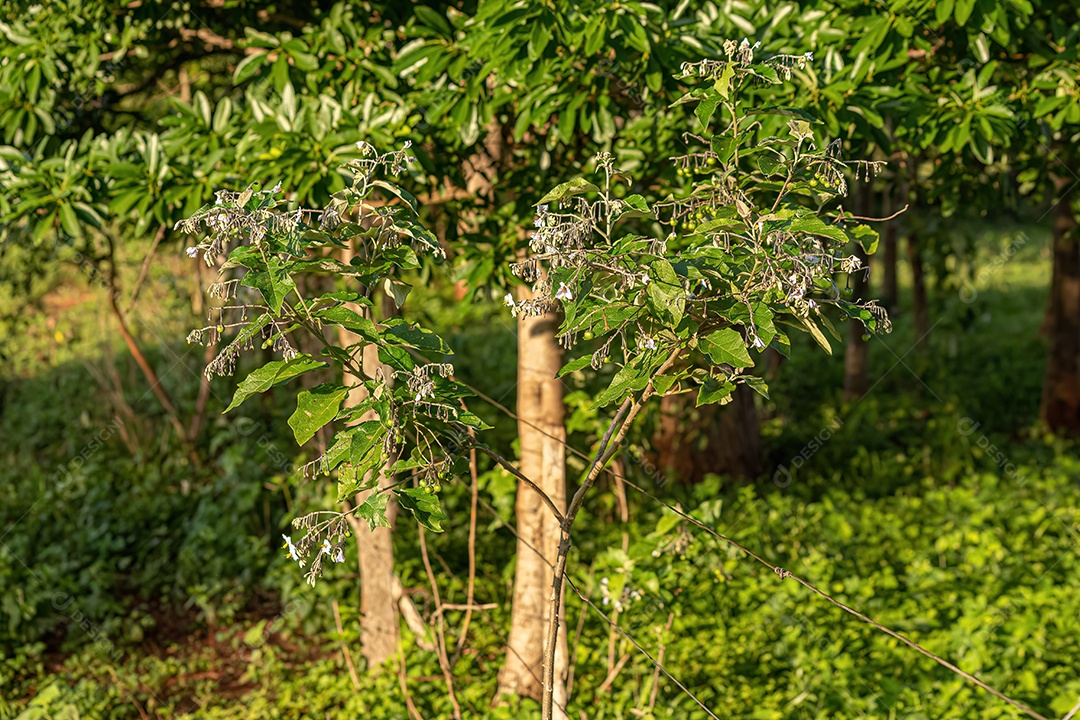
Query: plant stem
609	445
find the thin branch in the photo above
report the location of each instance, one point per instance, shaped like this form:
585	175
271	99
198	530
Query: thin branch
444	661
505	464
898	213
470	590
145	269
609	445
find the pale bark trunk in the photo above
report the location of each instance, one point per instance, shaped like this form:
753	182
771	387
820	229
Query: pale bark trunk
1060	407
379	620
542	434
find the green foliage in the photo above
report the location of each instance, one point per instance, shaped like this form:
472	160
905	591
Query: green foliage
740	250
410	411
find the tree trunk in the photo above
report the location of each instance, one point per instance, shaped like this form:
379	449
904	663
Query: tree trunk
1060	407
542	434
856	362
379	624
736	446
889	251
918	292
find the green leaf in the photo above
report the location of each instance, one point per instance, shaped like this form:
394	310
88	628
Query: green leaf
274	283
577	186
758	384
573	365
248	67
374	510
816	333
714	391
368	436
397	290
865	236
705	109
769	162
270	374
726	346
401	332
69	221
666	296
785	111
639	208
350	320
963	11
315	408
423	506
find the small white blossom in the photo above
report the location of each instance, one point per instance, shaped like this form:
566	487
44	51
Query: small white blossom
408	144
277	188
649	344
813	305
508	300
192	252
758	344
564	292
340	557
809	56
293	554
644	279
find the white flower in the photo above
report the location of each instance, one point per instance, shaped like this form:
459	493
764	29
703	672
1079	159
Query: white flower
758	344
644	279
757	45
293	554
745	43
408	144
813	305
564	293
649	344
542	209
855	262
192	252
508	300
340	557
326	549
277	188
809	55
